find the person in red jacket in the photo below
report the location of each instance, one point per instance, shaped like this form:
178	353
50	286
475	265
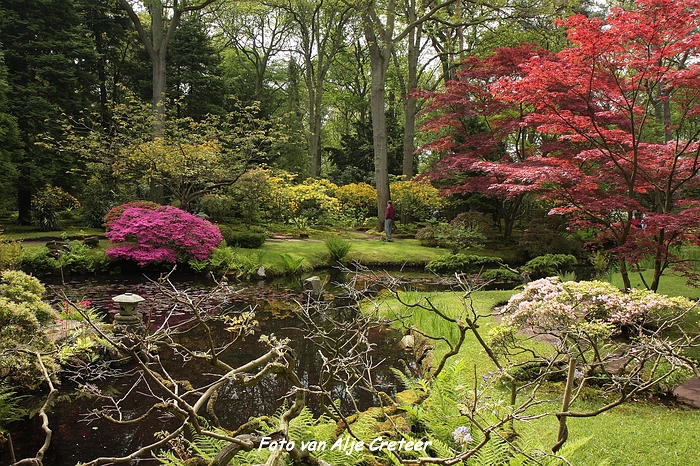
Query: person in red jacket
389	220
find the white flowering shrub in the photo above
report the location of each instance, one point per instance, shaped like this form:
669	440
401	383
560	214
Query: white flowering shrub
550	305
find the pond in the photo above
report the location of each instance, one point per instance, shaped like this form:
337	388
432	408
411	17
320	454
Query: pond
75	439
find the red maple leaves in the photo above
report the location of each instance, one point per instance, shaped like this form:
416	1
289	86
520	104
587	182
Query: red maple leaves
607	127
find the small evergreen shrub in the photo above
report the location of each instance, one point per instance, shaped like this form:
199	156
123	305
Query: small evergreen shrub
217	206
461	263
22	309
549	265
244	239
500	275
450	237
10	253
48	203
226	232
96	200
432	235
548	235
338	248
478	221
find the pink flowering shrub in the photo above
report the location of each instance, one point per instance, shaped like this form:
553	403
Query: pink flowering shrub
164	234
550	305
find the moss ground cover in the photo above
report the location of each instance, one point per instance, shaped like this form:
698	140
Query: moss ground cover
368	252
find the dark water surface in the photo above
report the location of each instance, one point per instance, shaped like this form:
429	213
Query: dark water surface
75	439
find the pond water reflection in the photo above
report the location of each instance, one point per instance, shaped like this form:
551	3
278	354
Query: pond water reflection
275	306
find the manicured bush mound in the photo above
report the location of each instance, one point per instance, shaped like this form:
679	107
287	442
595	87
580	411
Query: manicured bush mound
243	239
500	275
164	234
549	265
22	309
461	263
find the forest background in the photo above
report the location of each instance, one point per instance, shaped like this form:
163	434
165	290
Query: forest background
316	89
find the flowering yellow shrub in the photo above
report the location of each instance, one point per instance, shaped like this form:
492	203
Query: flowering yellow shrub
313	199
260	194
358	200
274	194
419	199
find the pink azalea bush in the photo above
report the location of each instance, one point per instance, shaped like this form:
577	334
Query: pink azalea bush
163	234
550	305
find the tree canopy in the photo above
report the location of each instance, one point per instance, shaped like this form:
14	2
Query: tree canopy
616	145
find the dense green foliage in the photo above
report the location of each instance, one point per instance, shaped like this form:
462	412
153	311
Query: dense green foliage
463	263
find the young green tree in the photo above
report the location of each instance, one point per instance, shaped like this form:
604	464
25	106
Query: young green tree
321	27
194	158
254	37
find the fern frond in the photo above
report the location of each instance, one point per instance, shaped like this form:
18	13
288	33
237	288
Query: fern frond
441	449
494	453
409	383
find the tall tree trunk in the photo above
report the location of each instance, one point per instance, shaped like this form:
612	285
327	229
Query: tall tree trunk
379	34
410	103
664	204
624	273
24	206
409	135
379	58
315	123
157	48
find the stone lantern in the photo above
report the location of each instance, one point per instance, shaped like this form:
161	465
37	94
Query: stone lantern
128	317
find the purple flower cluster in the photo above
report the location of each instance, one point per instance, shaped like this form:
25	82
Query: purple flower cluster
165	234
462	435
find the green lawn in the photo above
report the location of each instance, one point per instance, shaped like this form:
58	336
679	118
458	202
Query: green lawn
671	283
637	433
19	232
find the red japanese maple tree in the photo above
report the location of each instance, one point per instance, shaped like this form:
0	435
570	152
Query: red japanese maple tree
482	138
623	102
